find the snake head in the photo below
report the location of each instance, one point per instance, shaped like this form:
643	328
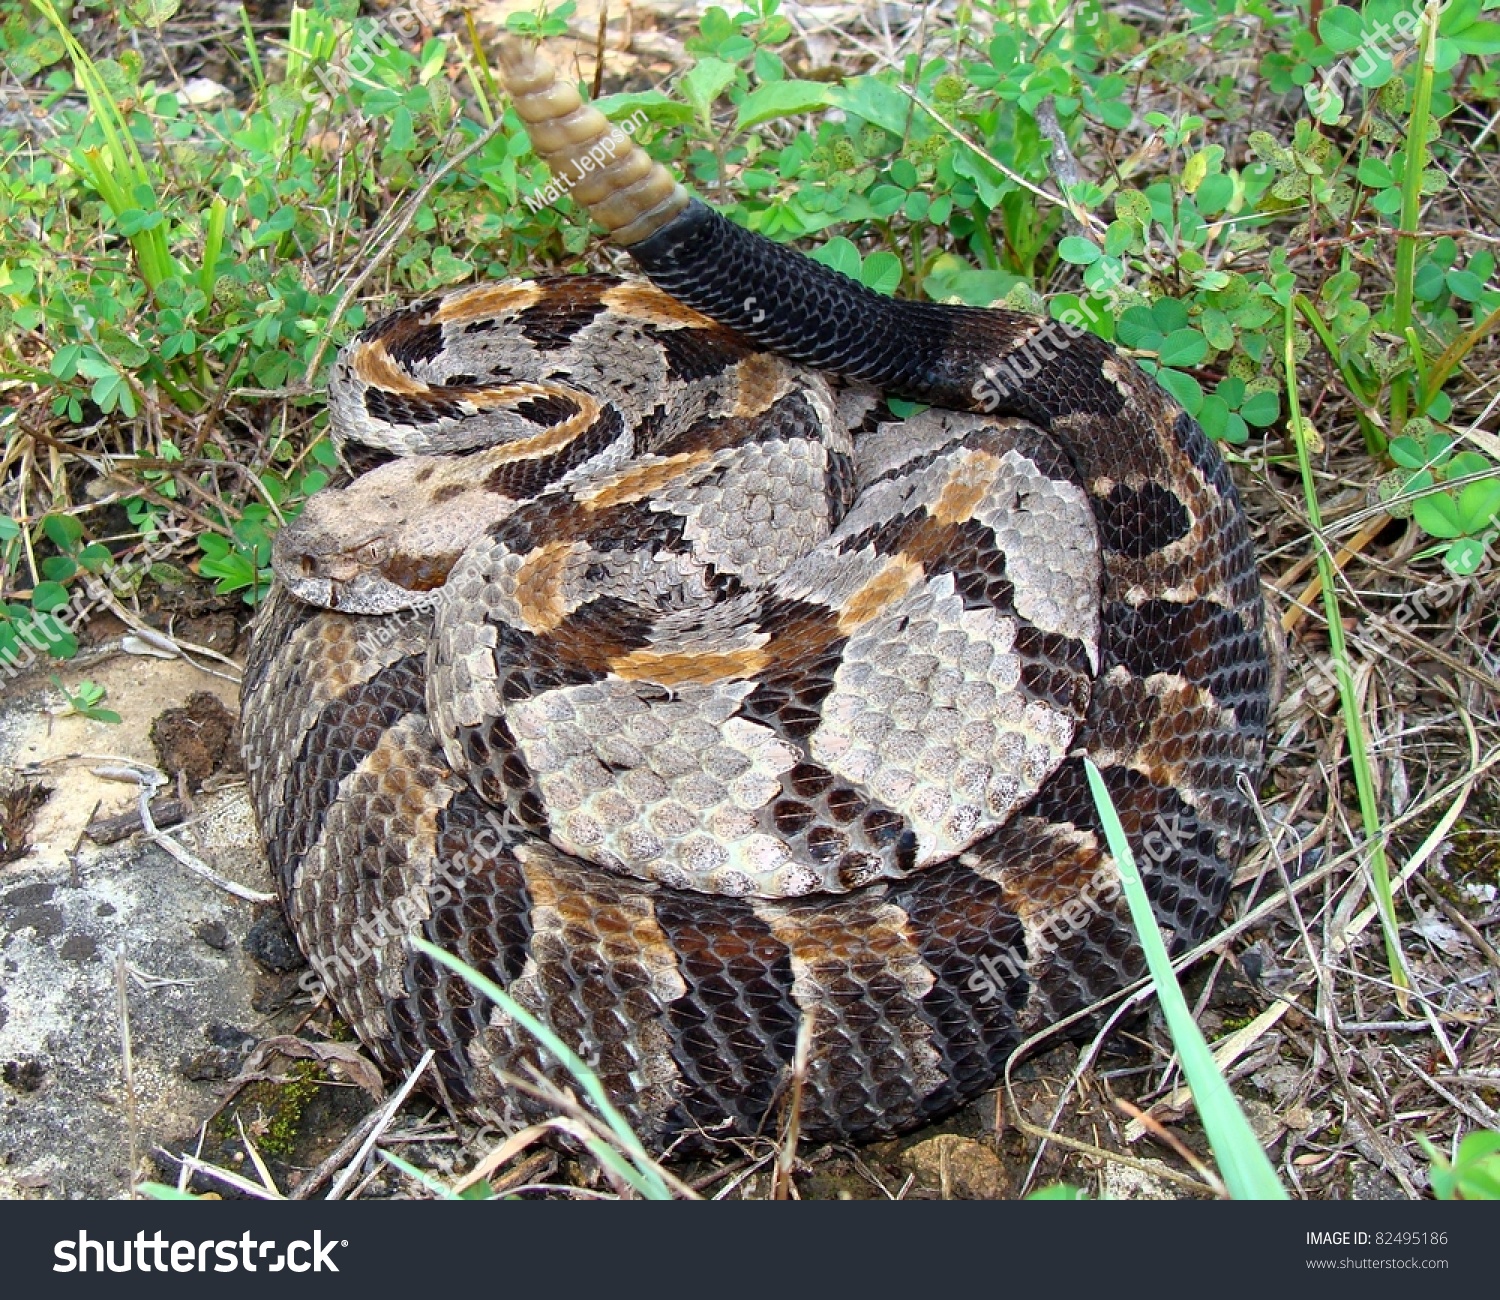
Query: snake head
374	548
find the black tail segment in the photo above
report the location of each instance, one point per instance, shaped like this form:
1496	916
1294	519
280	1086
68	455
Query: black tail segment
810	313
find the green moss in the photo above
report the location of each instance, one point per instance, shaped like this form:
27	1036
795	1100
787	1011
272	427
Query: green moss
223	1129
283	1123
272	1113
1473	860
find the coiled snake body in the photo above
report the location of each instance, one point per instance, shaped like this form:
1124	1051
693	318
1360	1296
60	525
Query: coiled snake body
688	694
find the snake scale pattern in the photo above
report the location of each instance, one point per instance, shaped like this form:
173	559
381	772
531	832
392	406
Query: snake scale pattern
651	665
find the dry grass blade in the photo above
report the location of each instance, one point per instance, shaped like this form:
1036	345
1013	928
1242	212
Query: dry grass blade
387	1114
786	1156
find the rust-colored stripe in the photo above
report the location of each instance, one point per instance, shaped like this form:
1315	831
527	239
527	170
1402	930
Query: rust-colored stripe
679	668
599	972
644	481
540	593
858	973
897	577
486	301
374	367
972	480
644	302
761	381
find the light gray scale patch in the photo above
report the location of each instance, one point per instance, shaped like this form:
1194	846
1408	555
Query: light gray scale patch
461	688
768	509
927	714
659	583
1044	526
887	448
1046	529
667	790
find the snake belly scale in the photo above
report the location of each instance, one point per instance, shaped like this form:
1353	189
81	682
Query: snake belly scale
651	665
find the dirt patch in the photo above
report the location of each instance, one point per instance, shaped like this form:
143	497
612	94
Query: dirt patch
69	753
198	740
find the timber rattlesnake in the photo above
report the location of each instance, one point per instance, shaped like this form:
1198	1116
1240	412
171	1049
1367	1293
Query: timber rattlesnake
685	692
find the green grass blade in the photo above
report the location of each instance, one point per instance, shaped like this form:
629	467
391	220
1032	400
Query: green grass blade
606	1155
650	1182
1411	203
419	1176
1059	1192
122	169
252	51
1362	393
1453	355
213	246
1242	1163
161	1192
1359	757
